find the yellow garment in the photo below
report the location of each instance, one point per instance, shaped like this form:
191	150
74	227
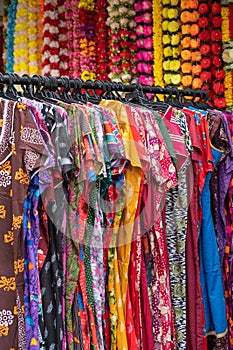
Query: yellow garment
133	177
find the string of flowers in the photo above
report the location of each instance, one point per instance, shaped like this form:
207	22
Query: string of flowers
1	49
101	40
62	39
50	49
87	39
21	39
144	41
227	55
216	50
71	14
34	37
122	42
205	49
191	67
171	42
157	43
4	31
10	33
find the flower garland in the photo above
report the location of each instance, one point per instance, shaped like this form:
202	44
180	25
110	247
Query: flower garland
1	49
4	32
191	67
205	47
122	44
216	50
34	37
101	40
87	39
144	31
171	42
50	49
62	39
10	33
21	39
227	40
157	43
71	16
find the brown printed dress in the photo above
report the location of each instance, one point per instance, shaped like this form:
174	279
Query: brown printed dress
21	153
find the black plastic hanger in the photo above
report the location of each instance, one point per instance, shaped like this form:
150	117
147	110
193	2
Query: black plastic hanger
10	92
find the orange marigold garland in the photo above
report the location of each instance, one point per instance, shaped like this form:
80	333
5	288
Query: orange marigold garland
190	42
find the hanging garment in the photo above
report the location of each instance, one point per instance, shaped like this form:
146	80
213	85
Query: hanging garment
22	151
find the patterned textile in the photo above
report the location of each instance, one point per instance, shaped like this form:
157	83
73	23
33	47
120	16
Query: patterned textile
22	150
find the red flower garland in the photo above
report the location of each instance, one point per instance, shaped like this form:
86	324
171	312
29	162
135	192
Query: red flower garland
101	40
205	48
216	50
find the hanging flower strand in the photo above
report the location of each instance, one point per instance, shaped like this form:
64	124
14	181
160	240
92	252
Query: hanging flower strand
21	39
50	58
101	40
144	41
191	67
122	45
227	54
87	39
171	42
34	37
157	43
10	34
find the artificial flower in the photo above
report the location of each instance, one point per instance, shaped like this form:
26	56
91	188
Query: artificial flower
196	83
187	80
216	35
220	102
205	63
186	67
204	35
186	55
205	49
157	42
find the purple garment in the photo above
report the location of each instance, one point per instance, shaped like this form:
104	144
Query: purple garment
31	274
224	178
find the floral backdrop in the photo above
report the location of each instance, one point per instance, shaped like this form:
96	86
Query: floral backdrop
181	43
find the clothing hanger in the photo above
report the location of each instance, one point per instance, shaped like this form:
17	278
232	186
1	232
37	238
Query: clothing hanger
77	96
10	93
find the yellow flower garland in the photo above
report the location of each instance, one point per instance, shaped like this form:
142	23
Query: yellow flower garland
226	39
171	42
21	38
157	43
34	37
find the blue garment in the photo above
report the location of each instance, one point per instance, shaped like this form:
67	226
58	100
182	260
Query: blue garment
210	270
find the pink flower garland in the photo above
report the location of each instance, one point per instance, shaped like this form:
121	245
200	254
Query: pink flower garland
144	41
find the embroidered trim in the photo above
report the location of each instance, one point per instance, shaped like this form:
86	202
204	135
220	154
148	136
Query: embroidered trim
30	159
6	318
5	178
21	324
31	135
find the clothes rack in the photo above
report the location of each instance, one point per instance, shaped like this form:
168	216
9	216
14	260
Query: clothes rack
106	86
